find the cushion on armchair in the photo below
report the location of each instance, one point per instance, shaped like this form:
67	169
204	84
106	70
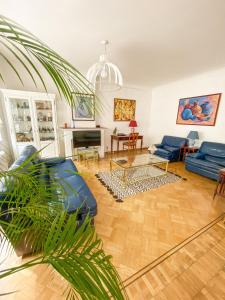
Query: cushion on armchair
174	141
159	145
170	148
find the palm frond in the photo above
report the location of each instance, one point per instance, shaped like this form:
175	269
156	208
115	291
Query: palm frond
74	250
28	50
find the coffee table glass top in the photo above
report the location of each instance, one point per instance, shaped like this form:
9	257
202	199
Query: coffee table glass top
138	160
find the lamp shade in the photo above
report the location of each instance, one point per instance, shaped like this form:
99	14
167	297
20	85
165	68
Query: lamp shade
105	75
193	135
133	123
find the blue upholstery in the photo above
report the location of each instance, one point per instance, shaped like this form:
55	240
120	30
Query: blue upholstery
170	147
64	169
208	160
76	193
29	151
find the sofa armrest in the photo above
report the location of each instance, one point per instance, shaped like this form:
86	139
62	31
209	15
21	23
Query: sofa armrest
197	155
50	162
159	145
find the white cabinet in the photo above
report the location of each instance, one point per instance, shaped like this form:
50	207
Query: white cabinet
31	120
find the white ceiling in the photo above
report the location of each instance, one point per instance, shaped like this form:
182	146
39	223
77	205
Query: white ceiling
152	41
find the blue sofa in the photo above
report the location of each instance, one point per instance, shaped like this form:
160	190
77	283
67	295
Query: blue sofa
170	147
208	160
76	193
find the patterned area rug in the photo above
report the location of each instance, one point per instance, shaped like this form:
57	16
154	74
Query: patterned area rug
114	184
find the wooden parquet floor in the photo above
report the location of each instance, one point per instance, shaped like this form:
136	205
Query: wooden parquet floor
196	271
145	226
137	231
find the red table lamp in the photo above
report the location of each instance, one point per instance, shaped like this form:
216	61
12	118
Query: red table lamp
132	124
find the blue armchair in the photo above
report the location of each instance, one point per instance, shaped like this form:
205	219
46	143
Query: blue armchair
208	160
170	147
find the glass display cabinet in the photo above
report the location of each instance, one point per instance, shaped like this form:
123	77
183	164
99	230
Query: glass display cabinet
31	120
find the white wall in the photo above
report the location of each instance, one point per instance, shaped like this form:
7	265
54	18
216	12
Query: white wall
105	118
143	104
165	104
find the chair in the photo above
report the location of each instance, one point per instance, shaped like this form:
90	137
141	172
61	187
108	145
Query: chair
170	147
132	141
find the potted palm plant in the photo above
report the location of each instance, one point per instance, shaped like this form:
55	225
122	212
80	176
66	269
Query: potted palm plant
30	210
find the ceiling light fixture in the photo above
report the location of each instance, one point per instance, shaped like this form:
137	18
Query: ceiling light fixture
104	75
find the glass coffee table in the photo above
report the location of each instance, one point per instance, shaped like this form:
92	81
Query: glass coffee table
138	167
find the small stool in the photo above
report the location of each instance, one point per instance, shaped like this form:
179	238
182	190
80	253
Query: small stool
220	188
88	154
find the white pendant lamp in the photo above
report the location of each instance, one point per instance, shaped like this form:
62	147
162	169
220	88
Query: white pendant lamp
104	75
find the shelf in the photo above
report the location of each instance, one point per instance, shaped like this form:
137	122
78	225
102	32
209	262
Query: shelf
21	107
44	121
48	109
23	132
21	121
47	140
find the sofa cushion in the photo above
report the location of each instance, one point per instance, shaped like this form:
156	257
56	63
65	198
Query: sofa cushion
159	145
170	148
63	170
52	161
213	149
174	141
216	160
27	152
203	164
162	152
78	195
197	155
207	173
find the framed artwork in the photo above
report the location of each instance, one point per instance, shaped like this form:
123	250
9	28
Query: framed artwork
124	109
199	110
83	108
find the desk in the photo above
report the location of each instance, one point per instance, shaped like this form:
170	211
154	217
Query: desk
220	189
119	138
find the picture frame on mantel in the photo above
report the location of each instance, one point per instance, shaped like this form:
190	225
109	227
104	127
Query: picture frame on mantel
124	109
83	108
198	110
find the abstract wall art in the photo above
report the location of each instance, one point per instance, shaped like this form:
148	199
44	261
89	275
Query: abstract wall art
199	110
124	109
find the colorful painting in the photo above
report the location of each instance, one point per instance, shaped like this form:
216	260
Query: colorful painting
83	108
199	110
124	109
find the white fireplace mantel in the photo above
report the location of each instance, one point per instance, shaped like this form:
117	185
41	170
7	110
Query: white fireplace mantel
68	140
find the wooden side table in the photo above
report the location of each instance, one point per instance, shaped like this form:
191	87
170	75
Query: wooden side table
220	188
187	149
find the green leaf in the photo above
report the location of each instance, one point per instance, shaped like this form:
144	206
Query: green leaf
67	79
12	66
